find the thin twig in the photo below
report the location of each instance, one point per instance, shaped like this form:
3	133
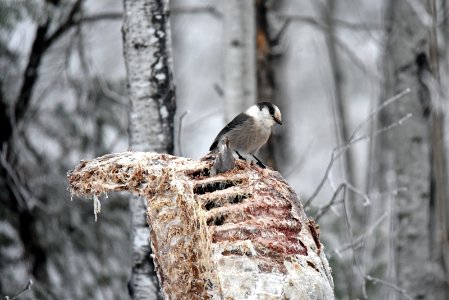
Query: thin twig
351	239
41	44
203	117
324	209
20	192
108	92
107	16
319	23
339	22
337	152
390	285
421	12
66	25
27	288
358	62
364	196
180	130
198	9
382	106
391	271
359	240
322	182
377	132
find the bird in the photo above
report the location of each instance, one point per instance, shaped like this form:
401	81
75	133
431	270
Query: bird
249	131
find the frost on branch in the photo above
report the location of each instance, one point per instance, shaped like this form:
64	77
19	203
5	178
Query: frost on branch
242	234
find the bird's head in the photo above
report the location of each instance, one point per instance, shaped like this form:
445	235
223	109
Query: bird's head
267	112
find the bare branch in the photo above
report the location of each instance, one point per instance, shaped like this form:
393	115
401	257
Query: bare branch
382	106
25	289
43	40
40	46
390	285
198	9
108	92
321	24
364	196
344	148
324	209
337	152
17	187
358	62
184	114
357	262
377	132
360	240
66	25
322	182
106	16
30	75
421	12
341	23
203	117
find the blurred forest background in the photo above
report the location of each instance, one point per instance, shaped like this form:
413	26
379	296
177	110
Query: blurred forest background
364	143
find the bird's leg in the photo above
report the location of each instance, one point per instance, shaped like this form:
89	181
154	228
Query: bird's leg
259	162
241	157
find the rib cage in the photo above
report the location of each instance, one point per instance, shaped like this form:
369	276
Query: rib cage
239	235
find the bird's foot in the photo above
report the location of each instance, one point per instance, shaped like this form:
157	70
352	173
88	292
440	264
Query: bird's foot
251	158
240	156
259	162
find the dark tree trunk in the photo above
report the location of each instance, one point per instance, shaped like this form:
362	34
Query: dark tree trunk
266	79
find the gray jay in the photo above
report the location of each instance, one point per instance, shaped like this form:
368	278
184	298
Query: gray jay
249	131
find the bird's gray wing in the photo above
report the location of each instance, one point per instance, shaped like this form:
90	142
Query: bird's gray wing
236	122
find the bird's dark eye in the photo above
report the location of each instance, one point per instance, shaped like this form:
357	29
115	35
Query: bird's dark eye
271	110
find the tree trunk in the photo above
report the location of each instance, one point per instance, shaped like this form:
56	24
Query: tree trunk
405	154
341	123
266	81
240	58
147	50
340	110
439	192
242	234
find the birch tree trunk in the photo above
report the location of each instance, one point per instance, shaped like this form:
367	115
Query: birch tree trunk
147	51
405	154
240	58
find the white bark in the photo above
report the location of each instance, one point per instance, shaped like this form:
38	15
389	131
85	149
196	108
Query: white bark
240	56
146	37
405	153
146	32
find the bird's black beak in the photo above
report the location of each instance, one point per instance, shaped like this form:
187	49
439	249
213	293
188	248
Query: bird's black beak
277	121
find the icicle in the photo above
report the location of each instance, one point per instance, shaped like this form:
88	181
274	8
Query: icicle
97	206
